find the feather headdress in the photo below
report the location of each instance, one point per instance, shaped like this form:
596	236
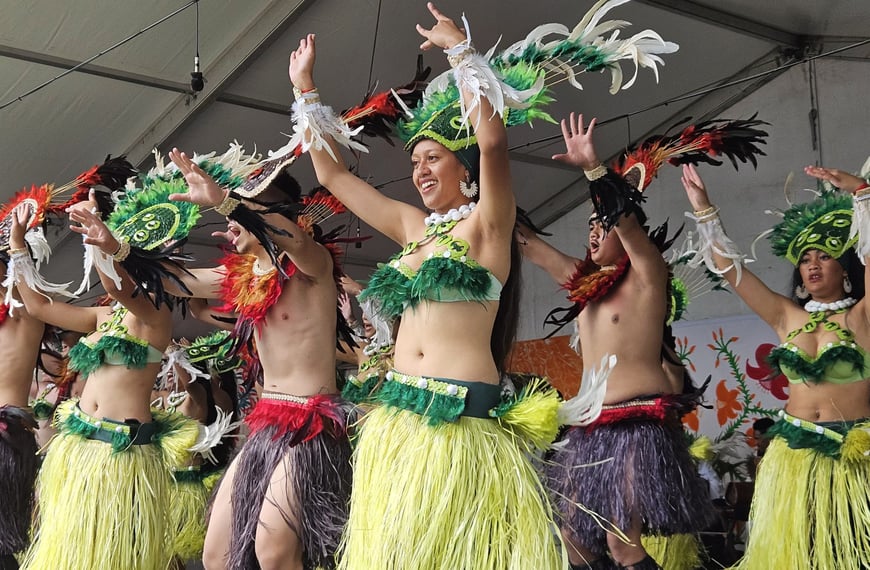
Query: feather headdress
737	140
525	69
42	200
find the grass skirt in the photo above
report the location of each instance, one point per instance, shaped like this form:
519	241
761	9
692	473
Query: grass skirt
18	466
633	465
310	436
99	508
189	495
456	495
811	506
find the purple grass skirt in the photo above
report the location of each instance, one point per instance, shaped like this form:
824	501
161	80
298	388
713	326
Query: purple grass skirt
18	466
633	459
310	436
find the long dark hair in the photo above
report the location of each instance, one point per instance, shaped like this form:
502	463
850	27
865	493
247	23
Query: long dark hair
850	262
504	331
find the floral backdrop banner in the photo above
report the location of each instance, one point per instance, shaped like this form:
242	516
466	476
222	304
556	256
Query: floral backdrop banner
731	351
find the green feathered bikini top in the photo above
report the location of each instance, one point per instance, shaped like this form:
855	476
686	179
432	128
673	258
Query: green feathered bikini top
448	274
842	362
116	347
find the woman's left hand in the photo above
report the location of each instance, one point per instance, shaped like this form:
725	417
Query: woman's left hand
444	34
93	229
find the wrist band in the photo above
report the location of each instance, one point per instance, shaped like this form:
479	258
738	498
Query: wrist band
122	252
18	251
595	173
229	203
861	191
704	212
706	215
459	53
310	98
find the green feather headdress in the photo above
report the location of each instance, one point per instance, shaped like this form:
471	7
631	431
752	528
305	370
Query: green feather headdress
529	66
212	350
146	218
822	224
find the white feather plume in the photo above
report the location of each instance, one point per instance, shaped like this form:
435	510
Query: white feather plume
585	407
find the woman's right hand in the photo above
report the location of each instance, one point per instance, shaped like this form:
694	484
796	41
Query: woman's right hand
302	64
695	189
842	180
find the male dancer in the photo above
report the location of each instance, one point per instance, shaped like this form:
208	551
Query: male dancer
631	466
283	501
20	337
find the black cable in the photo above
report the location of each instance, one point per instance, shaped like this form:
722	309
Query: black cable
89	60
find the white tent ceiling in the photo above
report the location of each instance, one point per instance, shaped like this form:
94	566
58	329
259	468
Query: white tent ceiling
137	96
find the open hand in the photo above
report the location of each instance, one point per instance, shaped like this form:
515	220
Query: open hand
695	189
842	180
93	229
302	64
202	189
579	149
19	219
444	34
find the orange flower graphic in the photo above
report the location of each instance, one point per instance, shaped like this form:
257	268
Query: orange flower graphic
692	421
727	405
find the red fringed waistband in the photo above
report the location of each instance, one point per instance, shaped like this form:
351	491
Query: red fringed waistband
307	417
656	408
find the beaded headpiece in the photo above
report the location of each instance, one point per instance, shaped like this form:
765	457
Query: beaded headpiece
213	351
822	224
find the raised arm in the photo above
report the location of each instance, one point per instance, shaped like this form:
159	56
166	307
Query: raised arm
202	311
96	233
392	218
768	305
496	203
558	265
646	259
860	191
310	257
60	314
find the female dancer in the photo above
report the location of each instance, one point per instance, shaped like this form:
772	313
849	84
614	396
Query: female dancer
441	477
104	486
811	497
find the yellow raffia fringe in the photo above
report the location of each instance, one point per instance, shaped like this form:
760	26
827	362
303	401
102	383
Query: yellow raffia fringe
702	449
536	415
459	495
677	552
176	447
99	509
815	510
856	444
187	518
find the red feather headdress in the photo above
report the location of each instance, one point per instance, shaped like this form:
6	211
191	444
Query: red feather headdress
736	139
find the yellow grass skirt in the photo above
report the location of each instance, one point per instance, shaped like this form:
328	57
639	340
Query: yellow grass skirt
811	510
461	495
99	508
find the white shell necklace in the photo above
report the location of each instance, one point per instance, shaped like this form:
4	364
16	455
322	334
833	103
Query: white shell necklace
454	215
815	306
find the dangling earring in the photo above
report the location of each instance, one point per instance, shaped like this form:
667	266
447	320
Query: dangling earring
847	284
801	292
468	190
